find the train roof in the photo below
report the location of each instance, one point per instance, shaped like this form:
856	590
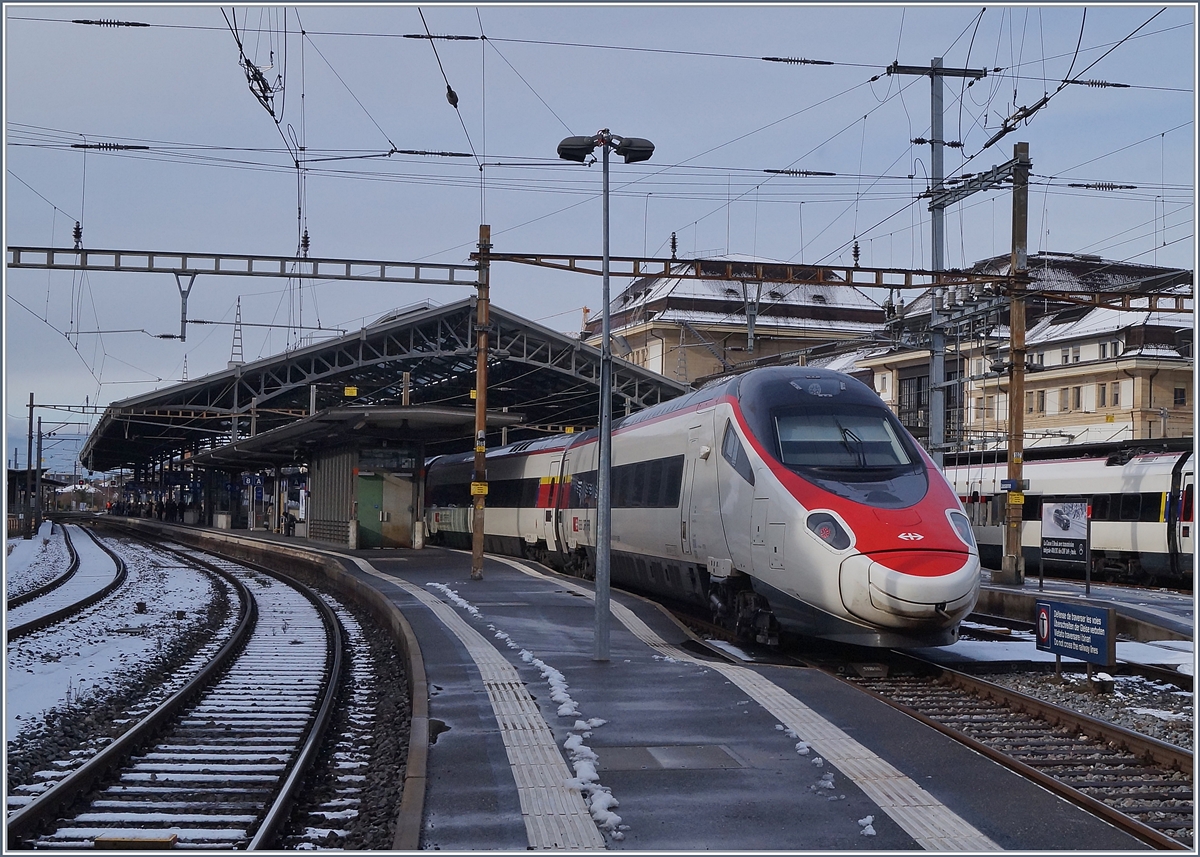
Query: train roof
1118	451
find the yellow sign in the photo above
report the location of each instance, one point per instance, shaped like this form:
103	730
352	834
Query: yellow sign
351	391
478	489
570	429
1110	418
474	395
1016	498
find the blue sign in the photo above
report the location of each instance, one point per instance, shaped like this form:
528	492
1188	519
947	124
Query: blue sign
258	495
1077	631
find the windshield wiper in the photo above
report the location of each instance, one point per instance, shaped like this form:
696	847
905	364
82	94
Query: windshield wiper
859	449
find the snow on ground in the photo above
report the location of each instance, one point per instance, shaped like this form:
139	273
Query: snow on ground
1179	654
31	563
598	797
98	651
96	570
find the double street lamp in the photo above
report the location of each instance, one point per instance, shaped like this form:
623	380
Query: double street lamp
579	149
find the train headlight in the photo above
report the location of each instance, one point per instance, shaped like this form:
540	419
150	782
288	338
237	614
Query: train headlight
963	528
827	528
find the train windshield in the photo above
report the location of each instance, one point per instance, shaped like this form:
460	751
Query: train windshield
849	439
855	451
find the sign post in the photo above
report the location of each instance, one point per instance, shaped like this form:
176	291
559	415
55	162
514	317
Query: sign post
1065	537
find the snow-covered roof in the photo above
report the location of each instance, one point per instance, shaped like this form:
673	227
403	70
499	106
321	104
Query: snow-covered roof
765	322
1062	326
648	290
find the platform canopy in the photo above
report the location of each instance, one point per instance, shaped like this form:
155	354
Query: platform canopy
550	378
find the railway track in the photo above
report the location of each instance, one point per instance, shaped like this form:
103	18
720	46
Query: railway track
89	584
1140	784
216	766
48	587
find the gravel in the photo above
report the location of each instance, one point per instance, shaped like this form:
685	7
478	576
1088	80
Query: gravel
1152	708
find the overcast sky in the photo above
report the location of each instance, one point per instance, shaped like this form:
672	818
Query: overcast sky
349	85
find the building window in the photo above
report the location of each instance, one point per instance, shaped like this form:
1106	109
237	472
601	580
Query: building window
1030	400
914	402
1076	398
1103	350
1116	348
1041	358
1063	402
1116	393
1041	401
1180	397
1101	395
1075	354
1065	356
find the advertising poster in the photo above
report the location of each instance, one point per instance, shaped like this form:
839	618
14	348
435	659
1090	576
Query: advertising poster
1064	532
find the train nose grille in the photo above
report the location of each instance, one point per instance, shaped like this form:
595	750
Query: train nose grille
902	589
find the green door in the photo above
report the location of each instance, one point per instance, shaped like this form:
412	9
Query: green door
370	504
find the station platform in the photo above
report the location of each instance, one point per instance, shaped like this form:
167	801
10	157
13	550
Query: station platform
678	749
1143	614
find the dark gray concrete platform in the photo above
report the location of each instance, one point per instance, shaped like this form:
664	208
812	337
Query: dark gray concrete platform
694	753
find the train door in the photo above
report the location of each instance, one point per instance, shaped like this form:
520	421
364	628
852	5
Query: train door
685	500
549	505
736	487
1179	518
701	532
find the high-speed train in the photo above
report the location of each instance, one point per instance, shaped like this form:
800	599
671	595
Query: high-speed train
785	498
1140	495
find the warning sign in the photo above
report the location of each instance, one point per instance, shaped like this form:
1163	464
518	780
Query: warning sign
1078	631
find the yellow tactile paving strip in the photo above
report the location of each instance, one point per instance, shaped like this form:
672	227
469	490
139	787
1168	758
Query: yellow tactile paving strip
934	826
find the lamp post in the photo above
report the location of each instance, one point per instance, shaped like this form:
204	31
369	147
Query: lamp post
578	149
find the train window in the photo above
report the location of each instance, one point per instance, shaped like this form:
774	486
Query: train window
1152	508
1131	507
1186	513
1031	509
1100	507
733	452
644	484
583	490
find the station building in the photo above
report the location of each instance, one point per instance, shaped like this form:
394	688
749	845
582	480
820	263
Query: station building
332	438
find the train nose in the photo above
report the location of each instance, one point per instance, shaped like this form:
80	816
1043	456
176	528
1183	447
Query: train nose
899	589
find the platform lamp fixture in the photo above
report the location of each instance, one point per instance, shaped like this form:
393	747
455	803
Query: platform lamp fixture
633	150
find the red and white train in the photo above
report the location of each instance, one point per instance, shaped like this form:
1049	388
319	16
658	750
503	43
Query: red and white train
785	498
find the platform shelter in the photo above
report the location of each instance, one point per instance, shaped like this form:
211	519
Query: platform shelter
334	435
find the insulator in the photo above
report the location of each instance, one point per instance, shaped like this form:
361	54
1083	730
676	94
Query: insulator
856	252
797	61
674	245
304	244
77	234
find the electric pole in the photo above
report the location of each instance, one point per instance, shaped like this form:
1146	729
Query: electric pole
29	477
937	209
479	479
1013	564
